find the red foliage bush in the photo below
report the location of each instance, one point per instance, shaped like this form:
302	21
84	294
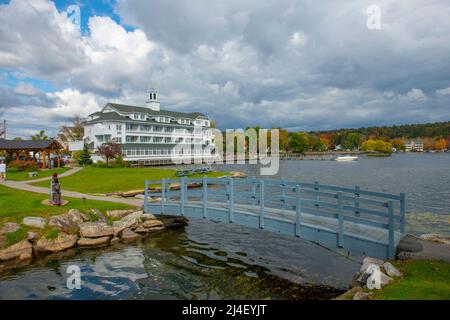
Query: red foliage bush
24	165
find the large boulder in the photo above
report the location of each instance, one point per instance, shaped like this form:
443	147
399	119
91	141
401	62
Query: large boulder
9	227
131	221
95	229
93	242
61	242
94	215
369	260
118	213
67	222
391	270
35	222
142	229
129	235
152	223
361	296
22	250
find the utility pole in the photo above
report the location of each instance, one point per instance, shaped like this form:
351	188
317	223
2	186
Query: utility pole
3	131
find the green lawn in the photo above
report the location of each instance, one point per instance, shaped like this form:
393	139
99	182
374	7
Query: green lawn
16	204
23	176
423	280
105	180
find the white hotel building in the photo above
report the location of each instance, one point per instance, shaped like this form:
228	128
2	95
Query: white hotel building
149	133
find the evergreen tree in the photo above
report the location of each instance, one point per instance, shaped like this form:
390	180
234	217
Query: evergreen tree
85	157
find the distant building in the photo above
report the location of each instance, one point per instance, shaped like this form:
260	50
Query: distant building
414	145
149	133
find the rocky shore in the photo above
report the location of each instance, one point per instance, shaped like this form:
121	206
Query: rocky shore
374	274
76	229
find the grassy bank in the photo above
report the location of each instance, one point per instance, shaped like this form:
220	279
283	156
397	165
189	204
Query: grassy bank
23	176
16	204
105	180
423	280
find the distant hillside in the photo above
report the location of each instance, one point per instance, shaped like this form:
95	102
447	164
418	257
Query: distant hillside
437	129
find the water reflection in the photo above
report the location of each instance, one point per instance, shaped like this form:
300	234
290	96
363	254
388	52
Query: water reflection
202	261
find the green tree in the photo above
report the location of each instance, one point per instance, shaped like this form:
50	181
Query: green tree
40	136
351	141
298	142
85	157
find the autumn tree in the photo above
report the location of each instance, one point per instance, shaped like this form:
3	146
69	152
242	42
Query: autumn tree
429	143
441	144
377	145
109	150
398	144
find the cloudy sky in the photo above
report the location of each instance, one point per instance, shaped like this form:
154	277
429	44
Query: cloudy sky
302	64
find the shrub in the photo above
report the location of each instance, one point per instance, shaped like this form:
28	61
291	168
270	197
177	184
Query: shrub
100	164
23	165
119	163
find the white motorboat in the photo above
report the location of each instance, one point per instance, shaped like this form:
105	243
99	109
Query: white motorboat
346	158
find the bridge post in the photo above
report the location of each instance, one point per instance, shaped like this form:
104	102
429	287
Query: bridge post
146	195
254	190
298	210
341	219
168	190
391	228
205	197
357	213
316	188
163	194
402	212
283	194
231	200
261	204
182	198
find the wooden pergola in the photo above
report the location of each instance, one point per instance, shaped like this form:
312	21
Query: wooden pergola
24	147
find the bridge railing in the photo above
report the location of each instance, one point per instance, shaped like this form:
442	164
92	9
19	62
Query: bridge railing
286	198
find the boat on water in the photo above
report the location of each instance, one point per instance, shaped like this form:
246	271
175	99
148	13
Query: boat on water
346	158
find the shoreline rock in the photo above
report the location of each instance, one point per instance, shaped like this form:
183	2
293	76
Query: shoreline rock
61	243
95	229
22	250
35	222
76	232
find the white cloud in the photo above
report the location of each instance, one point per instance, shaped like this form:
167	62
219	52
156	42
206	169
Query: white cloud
443	92
275	62
70	103
298	39
416	95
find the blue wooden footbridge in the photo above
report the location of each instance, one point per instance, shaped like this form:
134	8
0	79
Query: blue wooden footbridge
359	221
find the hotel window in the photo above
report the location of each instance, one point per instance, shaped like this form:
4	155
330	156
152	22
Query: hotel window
146	139
132	139
118	127
142	116
118	139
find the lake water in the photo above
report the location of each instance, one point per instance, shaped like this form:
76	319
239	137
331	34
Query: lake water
423	177
207	260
